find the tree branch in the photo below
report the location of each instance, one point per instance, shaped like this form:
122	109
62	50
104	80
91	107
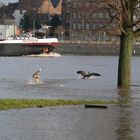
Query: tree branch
137	33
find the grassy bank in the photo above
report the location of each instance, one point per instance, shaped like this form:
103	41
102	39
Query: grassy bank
6	104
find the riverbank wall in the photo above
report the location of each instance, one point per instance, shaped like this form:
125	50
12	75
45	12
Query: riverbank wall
92	49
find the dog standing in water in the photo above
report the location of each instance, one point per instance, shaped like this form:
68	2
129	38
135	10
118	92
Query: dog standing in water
36	76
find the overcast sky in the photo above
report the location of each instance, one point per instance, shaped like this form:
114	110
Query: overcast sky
6	1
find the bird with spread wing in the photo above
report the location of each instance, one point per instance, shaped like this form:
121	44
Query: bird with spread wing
87	75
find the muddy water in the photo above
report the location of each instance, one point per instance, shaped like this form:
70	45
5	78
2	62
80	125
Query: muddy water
58	77
70	123
60	81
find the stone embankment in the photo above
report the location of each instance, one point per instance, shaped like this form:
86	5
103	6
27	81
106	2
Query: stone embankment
93	49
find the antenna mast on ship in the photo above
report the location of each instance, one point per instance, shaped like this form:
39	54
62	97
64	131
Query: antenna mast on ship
45	28
34	27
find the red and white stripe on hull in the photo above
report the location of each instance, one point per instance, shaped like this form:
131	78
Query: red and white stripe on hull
27	46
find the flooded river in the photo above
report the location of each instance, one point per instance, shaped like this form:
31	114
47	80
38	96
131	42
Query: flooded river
59	80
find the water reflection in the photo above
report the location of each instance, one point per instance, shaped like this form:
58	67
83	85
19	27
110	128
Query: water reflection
125	129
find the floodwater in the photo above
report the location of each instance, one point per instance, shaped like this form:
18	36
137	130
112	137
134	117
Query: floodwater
59	80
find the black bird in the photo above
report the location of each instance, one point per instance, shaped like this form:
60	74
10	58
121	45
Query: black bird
87	75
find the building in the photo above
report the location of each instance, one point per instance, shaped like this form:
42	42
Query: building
87	20
13	12
42	7
7	31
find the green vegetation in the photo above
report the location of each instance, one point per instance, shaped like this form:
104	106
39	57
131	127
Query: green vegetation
6	104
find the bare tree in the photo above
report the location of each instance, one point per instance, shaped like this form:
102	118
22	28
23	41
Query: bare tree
125	12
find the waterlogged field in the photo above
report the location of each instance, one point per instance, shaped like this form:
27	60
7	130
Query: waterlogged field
59	80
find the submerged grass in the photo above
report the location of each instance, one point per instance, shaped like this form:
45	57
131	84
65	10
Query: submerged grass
6	104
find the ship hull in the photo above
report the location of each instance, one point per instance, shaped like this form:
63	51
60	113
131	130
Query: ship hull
21	49
27	47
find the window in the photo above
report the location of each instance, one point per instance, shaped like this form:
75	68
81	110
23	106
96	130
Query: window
68	24
74	4
107	15
94	37
79	25
74	25
94	26
101	15
87	26
79	15
74	15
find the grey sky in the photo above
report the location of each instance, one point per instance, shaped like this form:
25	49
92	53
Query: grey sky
6	1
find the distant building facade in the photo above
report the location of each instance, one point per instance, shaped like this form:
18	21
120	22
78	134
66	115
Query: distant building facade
87	20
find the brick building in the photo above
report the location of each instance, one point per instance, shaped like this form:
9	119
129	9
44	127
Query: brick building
13	12
87	20
42	7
